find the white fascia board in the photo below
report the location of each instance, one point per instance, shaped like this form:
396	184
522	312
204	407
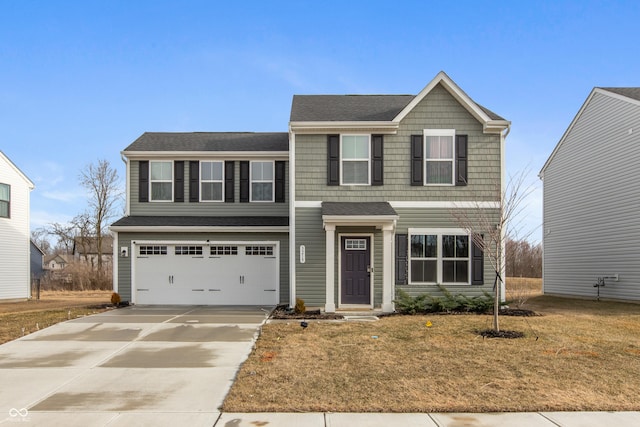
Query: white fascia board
307	204
383	127
454	90
617	96
446	204
495	126
226	155
361	220
17	170
203	229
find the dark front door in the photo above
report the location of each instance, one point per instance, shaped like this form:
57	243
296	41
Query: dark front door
355	275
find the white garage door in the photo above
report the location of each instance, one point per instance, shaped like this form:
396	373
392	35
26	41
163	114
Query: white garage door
206	274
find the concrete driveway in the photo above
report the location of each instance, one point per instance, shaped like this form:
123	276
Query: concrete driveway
160	366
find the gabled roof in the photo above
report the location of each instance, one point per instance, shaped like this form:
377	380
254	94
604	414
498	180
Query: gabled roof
629	92
384	111
626	94
314	108
210	141
17	170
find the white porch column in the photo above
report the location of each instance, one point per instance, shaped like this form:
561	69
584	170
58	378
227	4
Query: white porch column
388	268
330	240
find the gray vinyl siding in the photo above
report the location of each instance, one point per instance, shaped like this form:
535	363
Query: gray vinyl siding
591	201
443	218
438	110
124	264
205	208
311	276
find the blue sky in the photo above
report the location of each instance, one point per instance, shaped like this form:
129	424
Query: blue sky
79	81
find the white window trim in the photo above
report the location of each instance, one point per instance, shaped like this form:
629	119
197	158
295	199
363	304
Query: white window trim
272	181
201	181
439	232
151	181
7	201
439	132
368	159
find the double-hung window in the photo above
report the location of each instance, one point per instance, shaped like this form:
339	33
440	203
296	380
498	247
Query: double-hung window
439	256
161	180
262	188
439	153
211	181
5	201
355	160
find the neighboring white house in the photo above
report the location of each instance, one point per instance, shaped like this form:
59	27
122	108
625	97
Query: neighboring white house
591	200
15	255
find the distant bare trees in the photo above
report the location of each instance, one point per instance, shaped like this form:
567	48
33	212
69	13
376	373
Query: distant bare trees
523	259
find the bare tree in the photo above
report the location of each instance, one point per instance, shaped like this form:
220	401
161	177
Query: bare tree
103	186
489	228
64	233
39	237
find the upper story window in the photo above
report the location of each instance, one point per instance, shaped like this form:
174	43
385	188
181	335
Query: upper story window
355	160
439	156
5	201
161	180
262	188
439	257
211	181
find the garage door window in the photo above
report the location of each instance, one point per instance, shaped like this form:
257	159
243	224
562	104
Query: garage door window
153	250
188	250
259	250
224	250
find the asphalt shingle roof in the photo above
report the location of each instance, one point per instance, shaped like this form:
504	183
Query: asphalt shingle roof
357	209
346	108
211	141
202	221
629	92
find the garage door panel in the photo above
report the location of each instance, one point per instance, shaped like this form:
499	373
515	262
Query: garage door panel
215	274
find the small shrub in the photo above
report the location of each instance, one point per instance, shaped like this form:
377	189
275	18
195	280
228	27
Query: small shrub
299	308
447	303
115	298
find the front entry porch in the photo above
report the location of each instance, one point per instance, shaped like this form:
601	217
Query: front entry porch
356	258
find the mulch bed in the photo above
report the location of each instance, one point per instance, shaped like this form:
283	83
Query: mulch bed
492	333
284	312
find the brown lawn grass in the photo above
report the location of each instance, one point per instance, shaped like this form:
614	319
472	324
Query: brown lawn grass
579	355
24	317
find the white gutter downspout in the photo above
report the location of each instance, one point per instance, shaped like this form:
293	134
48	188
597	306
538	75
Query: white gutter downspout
503	260
127	174
292	217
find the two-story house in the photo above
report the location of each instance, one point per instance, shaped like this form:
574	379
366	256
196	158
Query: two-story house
354	202
15	252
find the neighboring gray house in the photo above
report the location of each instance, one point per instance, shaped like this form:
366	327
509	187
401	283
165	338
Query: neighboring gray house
15	193
591	200
353	203
37	261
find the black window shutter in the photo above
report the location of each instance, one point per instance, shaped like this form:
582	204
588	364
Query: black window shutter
280	172
461	159
194	181
333	159
143	181
244	182
229	171
402	253
477	263
178	181
377	164
417	160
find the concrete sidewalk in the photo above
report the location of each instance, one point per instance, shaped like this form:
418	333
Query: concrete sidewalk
521	419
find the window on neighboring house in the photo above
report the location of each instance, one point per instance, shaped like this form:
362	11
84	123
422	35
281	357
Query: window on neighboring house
161	180
211	181
355	168
5	201
439	153
261	181
439	257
